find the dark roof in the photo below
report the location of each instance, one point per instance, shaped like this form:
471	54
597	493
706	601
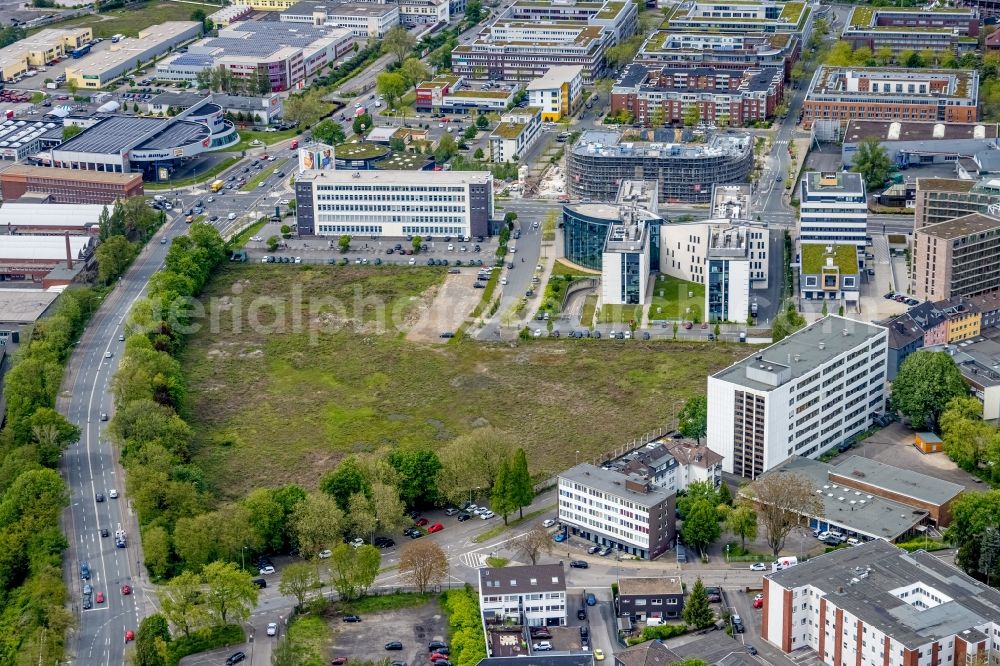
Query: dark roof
118	134
717	649
650	653
181	99
896	130
577	659
756	79
524	579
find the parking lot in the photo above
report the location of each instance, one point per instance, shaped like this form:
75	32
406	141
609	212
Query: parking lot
413	627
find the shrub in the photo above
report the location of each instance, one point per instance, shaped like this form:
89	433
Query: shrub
201	641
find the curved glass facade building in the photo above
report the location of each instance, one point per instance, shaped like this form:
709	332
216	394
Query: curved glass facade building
585	228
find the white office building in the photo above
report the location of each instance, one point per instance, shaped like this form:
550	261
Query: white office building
558	92
625	262
812	391
394	203
516	133
727	294
364	19
833	209
532	596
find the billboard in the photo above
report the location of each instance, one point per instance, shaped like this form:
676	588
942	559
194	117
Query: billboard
316	156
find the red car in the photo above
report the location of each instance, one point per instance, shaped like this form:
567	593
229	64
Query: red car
126	589
420	522
758	601
438	655
99	597
436	527
129	636
338	661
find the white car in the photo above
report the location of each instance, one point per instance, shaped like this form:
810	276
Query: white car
266	571
542	646
272	628
107	354
324	554
357	543
548	522
113	494
758	566
284	202
486	515
480	510
210	199
538	332
412	261
503	281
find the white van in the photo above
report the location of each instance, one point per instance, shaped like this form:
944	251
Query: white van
231	216
784	563
160	198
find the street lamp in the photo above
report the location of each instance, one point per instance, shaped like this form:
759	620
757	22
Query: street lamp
576	459
243	561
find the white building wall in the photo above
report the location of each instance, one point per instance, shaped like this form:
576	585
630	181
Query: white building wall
598	511
719	436
683	250
611	278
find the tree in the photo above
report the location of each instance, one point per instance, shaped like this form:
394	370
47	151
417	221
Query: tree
361	123
972	515
701	525
181	602
482	122
414	71
297	578
883	56
399	42
318	522
391	86
533	542
113	256
231	593
417	471
151	641
423	564
353	570
361	515
416	243
367	562
287	653
52	433
390	512
446	148
305	109
873	163
472	461
522	491
69	131
926	382
782	500
697	491
966	436
329	131
692	115
697	611
502	495
474	11
741	520
272	243
479	154
693	419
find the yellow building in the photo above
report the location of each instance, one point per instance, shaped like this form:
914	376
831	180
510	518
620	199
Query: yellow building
41	49
270	5
961	323
558	92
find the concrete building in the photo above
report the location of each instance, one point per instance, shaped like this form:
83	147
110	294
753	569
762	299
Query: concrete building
913	28
514	134
33	258
588	226
41	48
718	50
731	202
830	273
875	603
686	172
230	14
686	252
641	599
957	258
447	93
265	109
658	95
943	199
672	463
423	12
745	16
69	186
364	19
419	203
21	139
936	95
50	219
727	294
912	144
528	596
833	209
558	92
626	512
625	261
813	390
99	69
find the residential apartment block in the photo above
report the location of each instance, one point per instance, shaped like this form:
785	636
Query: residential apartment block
394	203
878	605
913	28
557	93
640	599
729	51
364	19
672	463
845	93
960	257
803	395
529	596
625	511
741	17
515	133
833	209
944	199
664	95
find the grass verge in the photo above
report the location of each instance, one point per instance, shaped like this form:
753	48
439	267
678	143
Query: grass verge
491	286
385	602
131	20
620	314
311	634
497	562
675	302
267	138
194	180
264	174
501	528
240	239
562	268
589	309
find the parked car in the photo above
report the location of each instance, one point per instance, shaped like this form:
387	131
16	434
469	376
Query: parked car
436	527
737	622
393	645
462	517
559	537
758	566
751	650
591	599
758	601
542	646
434	646
236	658
578	564
421	522
325	553
352	618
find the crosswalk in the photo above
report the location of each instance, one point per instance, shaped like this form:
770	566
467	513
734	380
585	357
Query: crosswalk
474	560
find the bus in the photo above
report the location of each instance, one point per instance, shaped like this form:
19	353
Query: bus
218	185
295	144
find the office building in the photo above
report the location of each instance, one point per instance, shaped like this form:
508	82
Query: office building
957	258
685	250
876	604
686	172
41	48
70	186
658	598
912	28
623	511
813	390
50	219
727	294
422	12
885	93
833	209
731	202
514	134
21	139
625	260
526	596
557	93
447	93
286	53
943	199
586	227
364	19
263	109
830	273
726	51
98	69
919	143
741	17
665	95
417	203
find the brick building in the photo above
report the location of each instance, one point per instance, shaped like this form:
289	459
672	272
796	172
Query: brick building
69	185
960	257
664	95
913	28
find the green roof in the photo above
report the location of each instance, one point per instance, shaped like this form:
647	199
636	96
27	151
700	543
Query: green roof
862	17
814	255
359	151
509	130
611	10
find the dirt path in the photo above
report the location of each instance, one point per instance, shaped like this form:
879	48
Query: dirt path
446	309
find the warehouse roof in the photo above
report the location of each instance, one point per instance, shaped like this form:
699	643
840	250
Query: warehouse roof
16	214
920	487
71	175
868	581
120	134
23	306
42	248
886	130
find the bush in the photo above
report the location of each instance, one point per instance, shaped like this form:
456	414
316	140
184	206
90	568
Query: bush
662	632
464	620
206	639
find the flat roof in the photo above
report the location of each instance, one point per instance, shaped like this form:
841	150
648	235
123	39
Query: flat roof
662	77
17	214
42	248
865	581
104	177
886	130
813	345
23	306
966	225
554	77
527	579
607	143
945	184
837	182
650	585
613	483
867	17
340	8
854	510
831	81
118	134
129	49
814	256
575	659
181	98
261	39
397	177
899	480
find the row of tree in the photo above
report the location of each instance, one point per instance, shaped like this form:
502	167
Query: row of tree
842	55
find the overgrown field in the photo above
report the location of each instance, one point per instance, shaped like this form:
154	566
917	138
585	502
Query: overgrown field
272	407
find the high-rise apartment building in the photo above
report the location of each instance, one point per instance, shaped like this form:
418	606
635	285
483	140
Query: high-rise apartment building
833	209
943	199
960	257
803	395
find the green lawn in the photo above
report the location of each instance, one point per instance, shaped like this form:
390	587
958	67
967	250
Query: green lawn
619	314
240	239
560	268
251	184
301	400
675	301
384	602
267	138
589	308
200	178
135	18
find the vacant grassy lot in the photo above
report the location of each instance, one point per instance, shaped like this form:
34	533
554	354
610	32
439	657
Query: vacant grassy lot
137	17
675	302
271	407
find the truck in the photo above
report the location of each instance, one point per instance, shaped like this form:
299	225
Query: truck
218	185
116	38
51	85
